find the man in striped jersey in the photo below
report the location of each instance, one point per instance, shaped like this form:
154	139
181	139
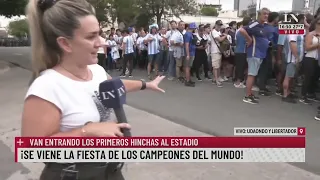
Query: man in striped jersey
294	52
128	50
171	60
153	39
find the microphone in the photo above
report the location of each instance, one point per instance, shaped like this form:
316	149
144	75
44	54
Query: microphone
113	95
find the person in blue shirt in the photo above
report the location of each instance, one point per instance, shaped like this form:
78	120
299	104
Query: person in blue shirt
257	46
241	55
265	70
190	49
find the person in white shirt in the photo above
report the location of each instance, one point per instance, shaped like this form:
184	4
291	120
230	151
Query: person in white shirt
153	39
134	35
127	53
142	50
177	43
207	29
171	60
102	52
216	56
114	51
63	98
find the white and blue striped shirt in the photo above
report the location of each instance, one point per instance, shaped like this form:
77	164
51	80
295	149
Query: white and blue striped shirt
154	45
129	43
300	45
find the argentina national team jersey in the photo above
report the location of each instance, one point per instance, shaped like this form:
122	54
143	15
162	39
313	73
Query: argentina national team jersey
128	40
260	40
299	40
154	45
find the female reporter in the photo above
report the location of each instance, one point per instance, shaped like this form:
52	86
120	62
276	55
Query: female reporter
62	99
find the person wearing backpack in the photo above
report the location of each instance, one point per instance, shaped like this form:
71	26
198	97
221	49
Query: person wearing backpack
216	52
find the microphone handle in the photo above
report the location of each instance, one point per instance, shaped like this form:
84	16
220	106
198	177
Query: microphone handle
121	117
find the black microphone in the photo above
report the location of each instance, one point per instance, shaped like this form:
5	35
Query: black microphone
113	95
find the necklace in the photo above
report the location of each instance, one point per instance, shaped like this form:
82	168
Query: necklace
85	79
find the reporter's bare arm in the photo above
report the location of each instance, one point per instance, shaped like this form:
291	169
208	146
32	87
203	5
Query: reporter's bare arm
41	118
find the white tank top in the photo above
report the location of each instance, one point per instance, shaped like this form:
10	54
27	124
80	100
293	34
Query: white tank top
77	101
314	53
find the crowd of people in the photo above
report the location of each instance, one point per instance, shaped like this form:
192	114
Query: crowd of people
248	53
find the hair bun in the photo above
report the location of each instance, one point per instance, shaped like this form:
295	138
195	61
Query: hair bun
46	4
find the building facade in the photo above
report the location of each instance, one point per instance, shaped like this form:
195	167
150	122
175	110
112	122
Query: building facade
243	5
299	5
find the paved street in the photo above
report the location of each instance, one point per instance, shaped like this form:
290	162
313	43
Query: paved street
204	108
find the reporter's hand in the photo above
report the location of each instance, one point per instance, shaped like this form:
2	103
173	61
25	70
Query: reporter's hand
105	129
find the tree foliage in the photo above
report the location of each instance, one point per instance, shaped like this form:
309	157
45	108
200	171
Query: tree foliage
11	8
18	28
162	8
209	11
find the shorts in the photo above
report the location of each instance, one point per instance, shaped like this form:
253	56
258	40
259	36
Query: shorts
254	65
188	63
290	70
179	61
152	58
216	60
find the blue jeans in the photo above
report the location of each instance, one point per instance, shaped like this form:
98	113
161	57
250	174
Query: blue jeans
172	64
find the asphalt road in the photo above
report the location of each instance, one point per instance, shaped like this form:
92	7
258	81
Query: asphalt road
214	110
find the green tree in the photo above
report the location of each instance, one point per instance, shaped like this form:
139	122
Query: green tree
11	8
209	11
162	8
18	28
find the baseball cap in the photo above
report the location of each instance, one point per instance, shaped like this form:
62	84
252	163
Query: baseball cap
192	25
219	22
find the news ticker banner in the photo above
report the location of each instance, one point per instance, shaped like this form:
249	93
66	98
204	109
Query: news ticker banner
269	131
161	149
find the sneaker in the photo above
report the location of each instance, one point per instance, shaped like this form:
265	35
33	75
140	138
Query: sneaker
289	99
122	75
305	100
130	76
240	85
255	88
255	97
220	79
170	78
189	84
264	93
208	78
219	84
250	100
279	92
199	79
225	79
313	98
192	82
317	117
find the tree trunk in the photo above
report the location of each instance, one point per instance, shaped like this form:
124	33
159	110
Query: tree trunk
159	20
